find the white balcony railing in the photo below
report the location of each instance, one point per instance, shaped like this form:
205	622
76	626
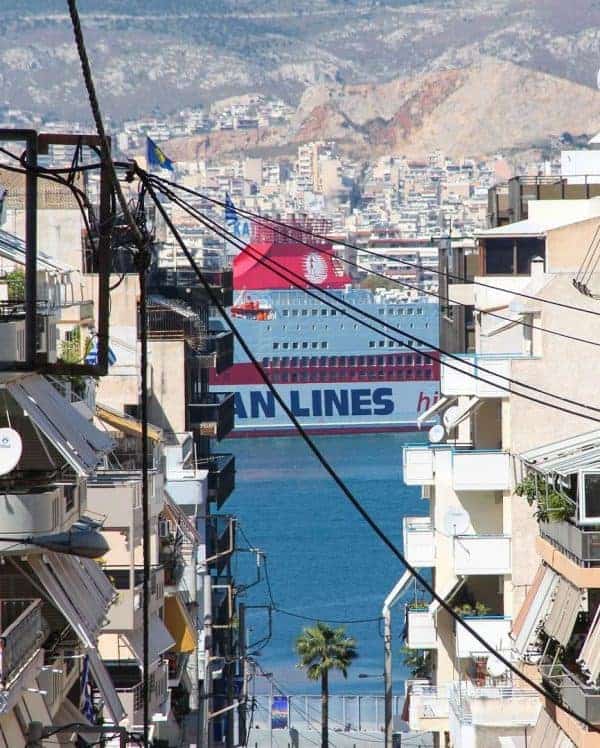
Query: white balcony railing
419	541
462	377
421	632
493	629
418	465
494	705
481	554
474	470
427	703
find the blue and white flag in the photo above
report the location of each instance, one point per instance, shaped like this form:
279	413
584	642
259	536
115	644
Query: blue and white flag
92	355
237	225
86	705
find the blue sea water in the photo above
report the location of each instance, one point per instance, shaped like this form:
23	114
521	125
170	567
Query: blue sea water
323	559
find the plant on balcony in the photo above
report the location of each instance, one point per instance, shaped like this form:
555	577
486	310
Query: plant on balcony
474	609
418	661
551	505
418	605
15	281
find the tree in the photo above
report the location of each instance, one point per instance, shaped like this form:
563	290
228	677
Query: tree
322	648
16	285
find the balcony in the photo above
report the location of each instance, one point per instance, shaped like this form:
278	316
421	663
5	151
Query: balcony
214	415
466	382
220	541
221	476
493	629
579	544
22	629
420	628
128	683
419	541
584	700
467	470
493	705
426	704
40	511
126	613
183	284
215	351
118	496
481	554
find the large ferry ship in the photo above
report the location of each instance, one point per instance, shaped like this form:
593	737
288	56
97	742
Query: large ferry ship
335	374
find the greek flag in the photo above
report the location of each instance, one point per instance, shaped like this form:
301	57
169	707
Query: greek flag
92	356
237	225
231	214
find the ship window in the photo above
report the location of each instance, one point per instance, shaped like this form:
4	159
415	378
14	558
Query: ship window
381	373
284	376
285	361
382	343
304	376
313	361
332	361
314	344
275	346
304	361
342	361
371	344
314	312
265	362
333	312
304	344
390	343
361	360
294	361
268	327
426	325
323	361
295	344
351	360
286	312
294	312
427	373
370	360
419	310
323	312
275	361
409	310
286	345
305	312
380	360
324	344
382	311
294	377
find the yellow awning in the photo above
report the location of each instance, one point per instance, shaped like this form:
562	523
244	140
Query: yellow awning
180	625
126	424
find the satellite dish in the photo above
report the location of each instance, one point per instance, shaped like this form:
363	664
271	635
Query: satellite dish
495	667
437	433
456	521
451	415
11	449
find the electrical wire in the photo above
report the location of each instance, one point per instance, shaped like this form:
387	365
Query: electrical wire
322	237
338	480
318	293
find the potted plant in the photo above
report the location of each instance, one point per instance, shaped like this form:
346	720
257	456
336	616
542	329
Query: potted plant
551	505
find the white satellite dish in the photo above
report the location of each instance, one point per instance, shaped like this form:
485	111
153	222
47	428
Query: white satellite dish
456	521
11	449
437	433
495	667
451	415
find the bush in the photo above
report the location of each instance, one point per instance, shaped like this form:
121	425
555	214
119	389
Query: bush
551	505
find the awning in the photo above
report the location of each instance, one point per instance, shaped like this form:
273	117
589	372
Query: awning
447	595
589	657
547	734
534	609
180	624
433	410
563	614
75	438
126	424
453	417
567	456
69	596
159	640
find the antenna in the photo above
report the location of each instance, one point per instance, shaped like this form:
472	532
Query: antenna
456	521
437	433
11	449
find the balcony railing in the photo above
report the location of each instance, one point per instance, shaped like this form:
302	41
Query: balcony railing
421	633
132	697
221	476
481	554
462	377
579	544
220	540
494	705
126	613
215	350
584	700
493	629
426	703
214	415
419	541
183	283
471	469
22	629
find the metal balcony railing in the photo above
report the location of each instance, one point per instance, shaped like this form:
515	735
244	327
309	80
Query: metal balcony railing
579	544
573	692
22	629
213	415
221	476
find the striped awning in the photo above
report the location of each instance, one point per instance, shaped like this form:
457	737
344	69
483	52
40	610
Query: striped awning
565	457
535	607
589	658
563	613
547	734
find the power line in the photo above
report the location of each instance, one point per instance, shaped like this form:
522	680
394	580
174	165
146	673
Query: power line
339	482
320	292
322	237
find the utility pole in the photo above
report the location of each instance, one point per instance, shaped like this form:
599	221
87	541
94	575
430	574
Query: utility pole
243	708
386	613
270	710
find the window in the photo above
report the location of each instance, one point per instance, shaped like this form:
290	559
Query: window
589	499
132	410
285	361
351	361
286	312
314	312
370	360
275	361
419	310
333	312
361	361
69	498
314	344
313	361
294	361
323	361
304	361
332	361
371	344
294	312
304	344
275	346
390	343
382	343
305	312
342	361
265	362
324	344
295	344
286	345
323	312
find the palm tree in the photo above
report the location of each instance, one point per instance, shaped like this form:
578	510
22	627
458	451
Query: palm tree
322	648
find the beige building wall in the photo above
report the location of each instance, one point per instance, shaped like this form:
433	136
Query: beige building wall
167	404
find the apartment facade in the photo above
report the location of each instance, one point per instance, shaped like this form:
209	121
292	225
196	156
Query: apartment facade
482	539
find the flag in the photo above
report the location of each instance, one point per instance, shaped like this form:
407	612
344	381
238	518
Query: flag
231	215
156	157
86	705
91	357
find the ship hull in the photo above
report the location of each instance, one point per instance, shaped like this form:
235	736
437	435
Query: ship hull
331	408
